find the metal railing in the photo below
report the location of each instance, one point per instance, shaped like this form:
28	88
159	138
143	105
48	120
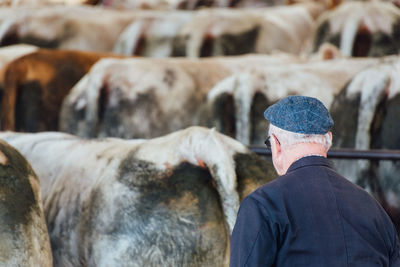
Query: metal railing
344	153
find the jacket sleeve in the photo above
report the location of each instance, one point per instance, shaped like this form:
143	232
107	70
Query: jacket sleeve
253	240
395	253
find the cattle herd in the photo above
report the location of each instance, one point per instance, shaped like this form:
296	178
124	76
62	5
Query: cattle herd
125	123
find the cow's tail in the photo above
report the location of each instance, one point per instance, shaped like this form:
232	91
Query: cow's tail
224	176
217	154
197	32
242	88
244	93
129	41
94	84
374	86
349	34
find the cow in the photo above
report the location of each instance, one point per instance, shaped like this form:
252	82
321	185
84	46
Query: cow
64	27
168	201
235	105
145	98
165	33
23	231
198	4
45	2
122	98
187	4
360	29
217	32
152	35
366	117
35	85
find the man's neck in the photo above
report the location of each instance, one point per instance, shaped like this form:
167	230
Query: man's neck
302	150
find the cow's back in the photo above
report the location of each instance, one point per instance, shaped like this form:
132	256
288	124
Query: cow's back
168	201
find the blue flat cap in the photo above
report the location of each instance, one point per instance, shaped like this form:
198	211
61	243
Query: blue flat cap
300	114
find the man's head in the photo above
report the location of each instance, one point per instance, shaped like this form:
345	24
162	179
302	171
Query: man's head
299	126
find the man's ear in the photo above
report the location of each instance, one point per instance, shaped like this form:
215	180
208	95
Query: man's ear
278	148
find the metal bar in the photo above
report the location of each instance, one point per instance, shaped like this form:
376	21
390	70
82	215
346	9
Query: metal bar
345	153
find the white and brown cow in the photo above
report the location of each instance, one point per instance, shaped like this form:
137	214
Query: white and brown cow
236	104
169	201
366	116
35	85
14	3
216	32
187	4
161	33
23	232
144	98
198	4
64	27
369	28
153	35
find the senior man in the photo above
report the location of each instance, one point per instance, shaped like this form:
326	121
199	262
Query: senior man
310	215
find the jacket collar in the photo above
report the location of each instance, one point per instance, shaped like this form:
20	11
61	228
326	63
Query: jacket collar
309	161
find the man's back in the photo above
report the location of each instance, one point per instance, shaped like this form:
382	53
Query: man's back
311	216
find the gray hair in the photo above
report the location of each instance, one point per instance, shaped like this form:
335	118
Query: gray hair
287	138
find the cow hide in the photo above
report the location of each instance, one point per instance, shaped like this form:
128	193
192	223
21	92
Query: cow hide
187	4
369	28
199	4
123	98
35	85
236	104
64	27
15	3
9	53
23	232
144	98
169	201
366	117
216	32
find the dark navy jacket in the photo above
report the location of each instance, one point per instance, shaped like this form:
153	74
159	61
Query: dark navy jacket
312	216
